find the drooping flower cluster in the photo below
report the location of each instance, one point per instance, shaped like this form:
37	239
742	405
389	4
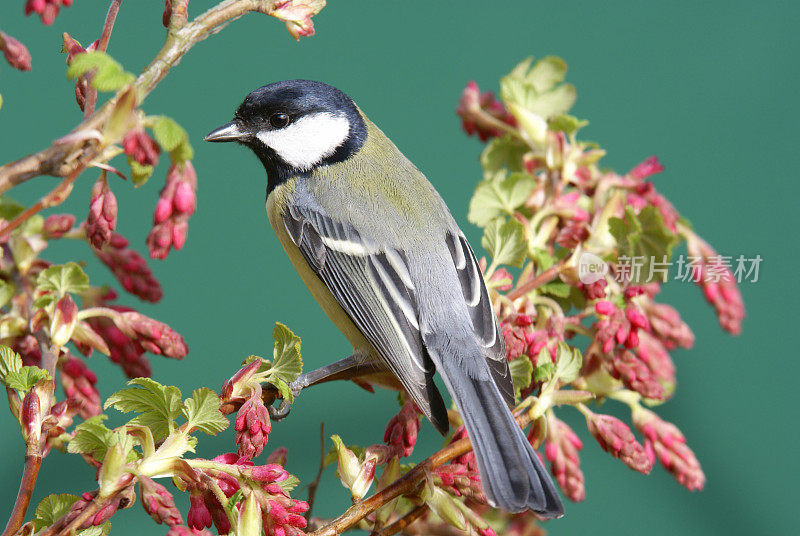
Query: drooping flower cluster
171	218
46	9
16	53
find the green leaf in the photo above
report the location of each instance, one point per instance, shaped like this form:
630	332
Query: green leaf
109	75
289	484
568	362
566	123
558	289
10	362
158	405
63	278
10	209
25	378
505	242
644	239
503	152
168	133
539	89
202	412
287	363
52	508
498	198
521	369
139	173
97	530
92	438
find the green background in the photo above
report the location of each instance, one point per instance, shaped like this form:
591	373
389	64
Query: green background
709	87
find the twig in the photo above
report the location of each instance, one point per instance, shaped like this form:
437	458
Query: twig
61	159
55	197
403	486
312	488
404	521
102	46
541	279
26	484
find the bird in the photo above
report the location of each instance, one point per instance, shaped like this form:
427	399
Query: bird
379	250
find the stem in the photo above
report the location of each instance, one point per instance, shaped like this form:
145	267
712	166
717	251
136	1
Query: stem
56	196
105	37
541	279
404	485
26	484
405	521
312	488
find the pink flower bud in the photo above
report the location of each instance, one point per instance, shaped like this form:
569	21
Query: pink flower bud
79	386
130	269
199	517
561	450
401	431
102	219
56	225
141	147
616	438
604	307
718	285
297	16
669	445
635	374
176	203
46	9
667	325
64	320
154	336
651	166
472	107
15	52
158	502
252	427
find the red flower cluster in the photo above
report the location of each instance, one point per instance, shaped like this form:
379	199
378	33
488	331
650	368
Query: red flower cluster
57	225
102	219
616	438
252	426
459	480
719	285
158	502
154	336
474	108
46	9
141	147
663	439
79	385
123	350
402	429
171	218
130	269
561	450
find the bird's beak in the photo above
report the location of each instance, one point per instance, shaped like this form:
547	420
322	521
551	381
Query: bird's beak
229	132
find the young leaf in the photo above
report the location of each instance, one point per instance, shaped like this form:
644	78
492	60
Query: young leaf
286	363
568	362
51	508
92	438
558	289
25	378
497	198
158	405
109	75
566	123
202	412
643	239
503	152
10	361
10	209
139	173
505	242
168	133
521	369
63	278
539	89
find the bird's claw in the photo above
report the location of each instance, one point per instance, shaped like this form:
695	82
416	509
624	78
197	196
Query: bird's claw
283	409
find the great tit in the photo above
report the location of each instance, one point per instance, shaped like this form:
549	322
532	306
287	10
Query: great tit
381	253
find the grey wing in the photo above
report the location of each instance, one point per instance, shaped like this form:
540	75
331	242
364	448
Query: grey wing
484	321
373	286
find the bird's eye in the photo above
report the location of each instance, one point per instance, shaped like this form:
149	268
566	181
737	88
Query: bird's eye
279	120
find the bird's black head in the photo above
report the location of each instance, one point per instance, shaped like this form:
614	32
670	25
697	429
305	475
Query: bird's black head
295	126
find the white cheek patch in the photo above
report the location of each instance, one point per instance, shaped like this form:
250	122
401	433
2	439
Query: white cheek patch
308	140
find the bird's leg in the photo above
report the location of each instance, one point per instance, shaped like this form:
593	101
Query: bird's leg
345	369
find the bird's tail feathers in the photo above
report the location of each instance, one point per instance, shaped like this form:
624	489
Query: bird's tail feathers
512	475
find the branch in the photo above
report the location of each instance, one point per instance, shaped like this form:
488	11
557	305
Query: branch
403	486
26	484
541	279
404	521
62	159
312	488
105	37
